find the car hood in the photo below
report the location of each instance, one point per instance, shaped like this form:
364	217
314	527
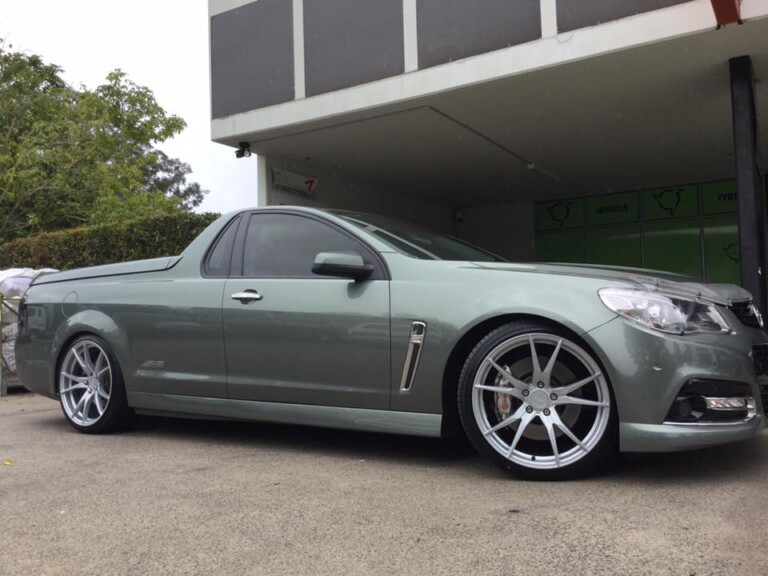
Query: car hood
654	280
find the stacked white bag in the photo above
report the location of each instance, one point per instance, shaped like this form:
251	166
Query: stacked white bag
13	284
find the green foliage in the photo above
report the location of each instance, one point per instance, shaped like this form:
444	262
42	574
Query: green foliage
77	157
153	237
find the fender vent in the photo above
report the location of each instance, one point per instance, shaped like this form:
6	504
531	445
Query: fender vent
415	344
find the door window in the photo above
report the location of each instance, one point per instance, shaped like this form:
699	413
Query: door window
285	245
217	263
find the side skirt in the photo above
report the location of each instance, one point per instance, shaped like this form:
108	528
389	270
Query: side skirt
409	423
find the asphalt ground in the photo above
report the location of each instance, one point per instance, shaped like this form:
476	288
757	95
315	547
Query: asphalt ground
196	497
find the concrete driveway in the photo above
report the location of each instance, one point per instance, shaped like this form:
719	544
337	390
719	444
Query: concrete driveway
193	497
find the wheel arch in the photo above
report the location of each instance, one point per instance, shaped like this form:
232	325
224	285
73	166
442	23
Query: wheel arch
85	323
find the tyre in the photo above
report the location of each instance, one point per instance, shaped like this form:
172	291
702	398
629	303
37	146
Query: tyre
537	403
91	388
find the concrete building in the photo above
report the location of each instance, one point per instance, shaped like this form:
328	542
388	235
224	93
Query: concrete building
605	131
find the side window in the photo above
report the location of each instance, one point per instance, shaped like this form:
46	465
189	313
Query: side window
219	258
285	245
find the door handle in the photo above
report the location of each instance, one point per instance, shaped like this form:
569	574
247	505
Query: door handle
247	296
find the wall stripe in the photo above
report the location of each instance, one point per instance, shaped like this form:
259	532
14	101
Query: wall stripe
298	49
410	35
548	18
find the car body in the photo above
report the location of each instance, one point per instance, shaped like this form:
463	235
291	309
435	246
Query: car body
336	319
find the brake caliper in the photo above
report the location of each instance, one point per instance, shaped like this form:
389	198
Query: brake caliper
503	402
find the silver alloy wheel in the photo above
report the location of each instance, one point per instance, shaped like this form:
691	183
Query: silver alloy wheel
85	382
539	397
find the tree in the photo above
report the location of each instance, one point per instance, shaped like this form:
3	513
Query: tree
71	157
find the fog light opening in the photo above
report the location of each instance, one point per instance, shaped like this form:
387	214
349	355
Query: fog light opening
712	402
687	409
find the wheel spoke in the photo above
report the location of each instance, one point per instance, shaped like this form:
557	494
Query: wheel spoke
535	360
80	379
524	421
514	392
565	390
507	421
87	405
78	386
506	376
557	421
98	365
79	404
80	360
103	393
88	361
551	364
561	400
99	407
547	421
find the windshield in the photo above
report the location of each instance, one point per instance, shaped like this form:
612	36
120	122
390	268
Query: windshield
415	241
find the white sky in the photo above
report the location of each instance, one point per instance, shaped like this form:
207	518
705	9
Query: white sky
161	44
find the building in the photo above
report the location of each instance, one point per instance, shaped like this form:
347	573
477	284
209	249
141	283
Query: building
605	131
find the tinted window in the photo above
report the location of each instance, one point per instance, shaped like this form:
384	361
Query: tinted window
416	241
285	245
220	257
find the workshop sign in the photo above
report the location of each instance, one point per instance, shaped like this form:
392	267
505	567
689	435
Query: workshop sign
613	209
294	184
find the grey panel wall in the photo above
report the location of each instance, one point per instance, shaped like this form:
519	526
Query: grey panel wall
453	29
351	42
574	14
252	57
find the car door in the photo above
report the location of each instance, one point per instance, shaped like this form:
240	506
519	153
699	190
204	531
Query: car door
304	338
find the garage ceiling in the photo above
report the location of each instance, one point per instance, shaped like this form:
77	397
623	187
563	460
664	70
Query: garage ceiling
650	116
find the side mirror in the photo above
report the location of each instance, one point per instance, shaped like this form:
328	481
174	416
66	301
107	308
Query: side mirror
343	264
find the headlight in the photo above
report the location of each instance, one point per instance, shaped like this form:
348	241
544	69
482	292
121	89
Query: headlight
663	312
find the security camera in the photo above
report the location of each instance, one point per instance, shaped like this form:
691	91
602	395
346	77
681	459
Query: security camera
243	151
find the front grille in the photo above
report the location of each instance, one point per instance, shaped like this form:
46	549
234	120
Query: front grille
760	359
746	313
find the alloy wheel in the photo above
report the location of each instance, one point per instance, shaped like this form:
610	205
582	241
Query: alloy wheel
85	383
540	401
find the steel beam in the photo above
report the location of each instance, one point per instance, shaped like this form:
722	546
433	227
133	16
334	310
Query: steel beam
752	217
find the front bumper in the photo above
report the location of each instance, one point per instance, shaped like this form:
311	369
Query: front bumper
675	437
647	370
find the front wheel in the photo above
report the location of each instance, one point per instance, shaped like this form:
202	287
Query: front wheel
537	403
91	389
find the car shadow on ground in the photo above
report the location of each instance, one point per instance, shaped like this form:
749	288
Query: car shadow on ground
717	463
349	443
713	464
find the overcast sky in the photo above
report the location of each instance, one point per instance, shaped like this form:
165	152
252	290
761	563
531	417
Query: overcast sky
162	44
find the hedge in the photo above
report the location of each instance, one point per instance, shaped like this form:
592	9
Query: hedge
105	244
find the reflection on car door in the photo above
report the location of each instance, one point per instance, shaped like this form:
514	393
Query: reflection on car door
302	338
177	335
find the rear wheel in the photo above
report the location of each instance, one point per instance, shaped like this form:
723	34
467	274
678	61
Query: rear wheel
91	389
537	403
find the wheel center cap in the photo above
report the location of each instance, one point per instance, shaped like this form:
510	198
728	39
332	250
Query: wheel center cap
538	400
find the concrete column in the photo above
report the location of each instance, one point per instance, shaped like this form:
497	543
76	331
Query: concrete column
264	181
